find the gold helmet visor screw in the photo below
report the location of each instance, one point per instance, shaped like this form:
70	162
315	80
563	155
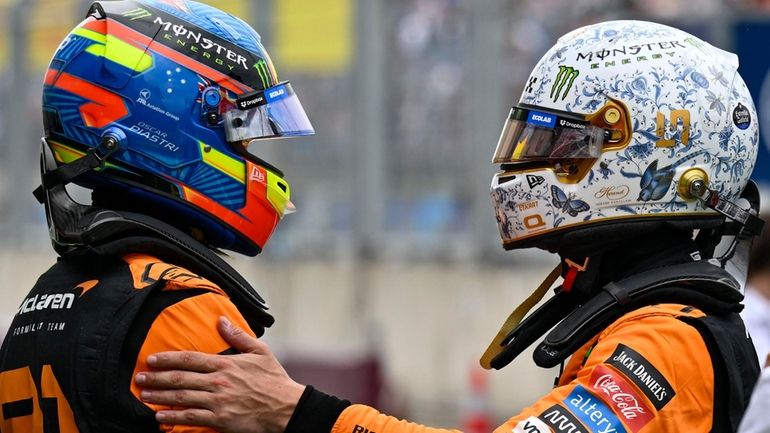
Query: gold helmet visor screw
612	116
693	184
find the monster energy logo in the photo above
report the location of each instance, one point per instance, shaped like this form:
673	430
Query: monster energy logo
264	73
207	48
563	82
136	14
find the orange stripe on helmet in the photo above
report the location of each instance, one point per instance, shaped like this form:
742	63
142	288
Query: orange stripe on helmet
106	107
256	220
132	36
95	25
50	77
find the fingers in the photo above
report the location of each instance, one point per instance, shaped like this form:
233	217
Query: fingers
238	338
173	380
200	417
187	398
184	360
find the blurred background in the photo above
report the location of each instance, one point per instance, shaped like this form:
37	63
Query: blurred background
389	281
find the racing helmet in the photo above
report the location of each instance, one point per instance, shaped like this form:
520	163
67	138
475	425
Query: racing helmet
621	127
177	90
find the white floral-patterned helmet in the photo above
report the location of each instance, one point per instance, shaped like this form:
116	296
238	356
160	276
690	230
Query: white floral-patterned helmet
617	124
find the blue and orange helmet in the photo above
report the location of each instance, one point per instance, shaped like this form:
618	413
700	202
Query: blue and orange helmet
182	88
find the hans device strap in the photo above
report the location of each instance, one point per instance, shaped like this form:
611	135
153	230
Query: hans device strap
700	284
111	233
497	344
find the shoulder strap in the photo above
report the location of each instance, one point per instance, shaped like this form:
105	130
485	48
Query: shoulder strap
111	233
700	284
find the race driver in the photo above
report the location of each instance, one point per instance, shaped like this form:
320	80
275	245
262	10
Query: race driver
628	137
151	104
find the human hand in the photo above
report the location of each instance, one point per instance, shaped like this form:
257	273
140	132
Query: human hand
246	393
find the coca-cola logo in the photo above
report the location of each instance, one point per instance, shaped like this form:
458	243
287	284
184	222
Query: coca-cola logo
627	403
614	192
621	397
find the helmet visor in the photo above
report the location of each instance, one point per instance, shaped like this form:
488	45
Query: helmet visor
530	135
273	112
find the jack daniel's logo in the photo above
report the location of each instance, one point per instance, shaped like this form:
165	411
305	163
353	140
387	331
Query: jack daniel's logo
634	366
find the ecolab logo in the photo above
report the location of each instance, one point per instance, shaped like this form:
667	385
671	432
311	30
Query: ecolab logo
541	119
54	301
276	93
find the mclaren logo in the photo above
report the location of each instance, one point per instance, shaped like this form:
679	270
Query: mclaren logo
563	82
53	301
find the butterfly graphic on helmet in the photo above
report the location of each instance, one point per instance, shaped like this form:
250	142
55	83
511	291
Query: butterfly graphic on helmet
566	203
655	182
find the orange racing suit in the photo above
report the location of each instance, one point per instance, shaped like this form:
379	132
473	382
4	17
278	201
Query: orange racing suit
649	371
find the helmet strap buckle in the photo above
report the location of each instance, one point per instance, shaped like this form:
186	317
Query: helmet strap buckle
65	173
752	223
572	273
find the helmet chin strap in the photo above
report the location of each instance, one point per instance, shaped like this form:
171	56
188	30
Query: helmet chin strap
53	176
747	218
572	272
64	214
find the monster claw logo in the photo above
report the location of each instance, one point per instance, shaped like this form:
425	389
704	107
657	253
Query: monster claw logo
563	82
264	73
136	14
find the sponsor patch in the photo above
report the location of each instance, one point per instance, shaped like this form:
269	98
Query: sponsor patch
531	425
561	420
563	82
534	180
194	42
251	100
262	97
643	374
257	175
741	116
538	118
621	397
594	414
277	93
